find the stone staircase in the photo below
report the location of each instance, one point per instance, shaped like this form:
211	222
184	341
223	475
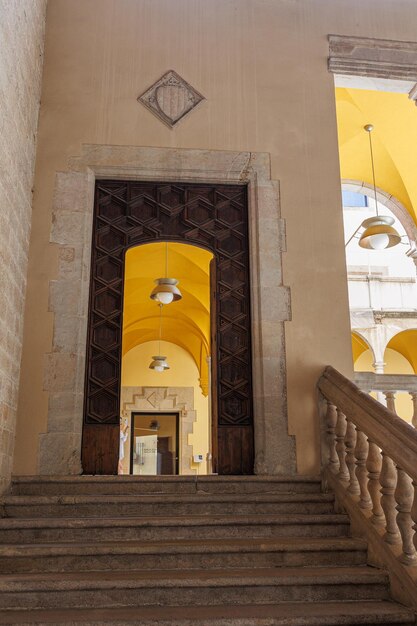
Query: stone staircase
171	551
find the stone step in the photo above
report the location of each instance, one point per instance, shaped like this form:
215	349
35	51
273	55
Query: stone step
136	485
93	529
165	505
191	587
287	614
199	554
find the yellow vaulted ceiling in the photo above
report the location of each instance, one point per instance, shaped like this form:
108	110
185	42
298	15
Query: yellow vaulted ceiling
185	323
394	117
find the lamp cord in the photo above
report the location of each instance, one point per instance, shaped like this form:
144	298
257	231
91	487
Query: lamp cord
166	260
373	171
160	327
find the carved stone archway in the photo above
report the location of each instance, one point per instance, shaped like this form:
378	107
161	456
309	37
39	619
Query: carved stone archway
60	446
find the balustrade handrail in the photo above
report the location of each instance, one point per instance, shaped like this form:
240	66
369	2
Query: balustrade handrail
369	381
388	431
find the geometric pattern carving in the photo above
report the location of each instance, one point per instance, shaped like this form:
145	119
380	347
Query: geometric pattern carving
171	98
212	216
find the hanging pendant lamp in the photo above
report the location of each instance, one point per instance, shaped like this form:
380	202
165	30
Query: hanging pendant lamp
159	363
166	290
379	233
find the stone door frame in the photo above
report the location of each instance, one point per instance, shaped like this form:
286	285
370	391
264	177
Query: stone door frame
60	446
167	400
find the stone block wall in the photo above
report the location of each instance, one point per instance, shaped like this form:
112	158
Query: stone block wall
22	24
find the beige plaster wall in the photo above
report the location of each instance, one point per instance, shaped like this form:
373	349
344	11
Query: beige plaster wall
22	24
262	66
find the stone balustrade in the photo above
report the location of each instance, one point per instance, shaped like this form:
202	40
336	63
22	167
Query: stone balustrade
370	455
387	386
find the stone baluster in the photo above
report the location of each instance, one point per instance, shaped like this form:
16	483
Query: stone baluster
388	484
413	395
341	428
350	441
361	454
404	497
390	398
374	466
331	421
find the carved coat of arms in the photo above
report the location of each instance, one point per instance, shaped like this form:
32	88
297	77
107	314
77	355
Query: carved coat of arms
171	98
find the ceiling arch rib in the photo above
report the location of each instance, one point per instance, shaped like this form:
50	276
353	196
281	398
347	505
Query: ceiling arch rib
139	296
177	321
174	331
193	346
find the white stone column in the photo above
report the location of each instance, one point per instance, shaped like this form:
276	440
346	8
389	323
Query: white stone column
379	367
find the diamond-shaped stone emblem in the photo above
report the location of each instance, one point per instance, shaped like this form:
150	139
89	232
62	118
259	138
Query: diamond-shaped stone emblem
171	98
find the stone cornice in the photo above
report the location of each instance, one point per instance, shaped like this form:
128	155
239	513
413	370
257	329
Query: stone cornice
375	58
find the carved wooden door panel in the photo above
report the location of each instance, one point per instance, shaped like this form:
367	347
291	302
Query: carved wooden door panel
215	217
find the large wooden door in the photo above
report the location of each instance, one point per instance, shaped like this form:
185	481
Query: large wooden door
215	217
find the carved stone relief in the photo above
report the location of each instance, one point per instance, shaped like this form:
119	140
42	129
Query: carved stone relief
171	98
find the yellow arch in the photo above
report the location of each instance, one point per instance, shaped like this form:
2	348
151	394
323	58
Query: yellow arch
406	344
359	346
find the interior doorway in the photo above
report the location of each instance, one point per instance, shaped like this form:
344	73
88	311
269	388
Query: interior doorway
154	444
213	217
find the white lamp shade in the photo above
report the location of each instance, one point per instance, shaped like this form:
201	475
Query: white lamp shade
164	297
379	242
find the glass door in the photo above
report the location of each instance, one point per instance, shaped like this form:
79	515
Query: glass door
154	444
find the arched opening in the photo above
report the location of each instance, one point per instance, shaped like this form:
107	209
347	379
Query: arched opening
378	165
399	358
177	400
359	346
381	283
405	343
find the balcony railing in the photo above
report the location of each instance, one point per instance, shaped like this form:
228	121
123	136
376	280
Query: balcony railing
387	386
380	292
